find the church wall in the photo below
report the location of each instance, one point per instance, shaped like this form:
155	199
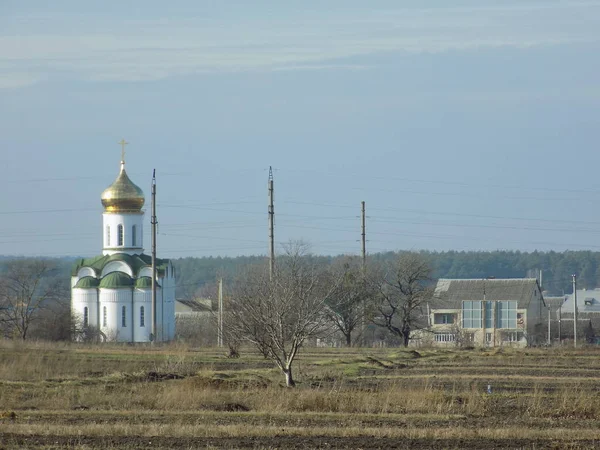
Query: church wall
117	266
145	272
114	300
127	220
83	272
82	298
142	297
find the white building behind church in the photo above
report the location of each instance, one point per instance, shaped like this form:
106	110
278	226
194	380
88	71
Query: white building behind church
112	293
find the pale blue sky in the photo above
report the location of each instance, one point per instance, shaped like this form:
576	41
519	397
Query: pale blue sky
463	124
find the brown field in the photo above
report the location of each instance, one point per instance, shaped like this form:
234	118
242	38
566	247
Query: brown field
55	396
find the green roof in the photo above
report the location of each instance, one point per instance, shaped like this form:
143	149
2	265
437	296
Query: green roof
136	262
87	283
144	282
116	280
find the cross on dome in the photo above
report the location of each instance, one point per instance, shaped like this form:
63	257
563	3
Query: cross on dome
123	144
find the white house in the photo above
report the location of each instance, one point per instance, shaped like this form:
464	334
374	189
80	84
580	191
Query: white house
113	292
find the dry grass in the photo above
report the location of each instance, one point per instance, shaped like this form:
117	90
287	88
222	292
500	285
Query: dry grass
179	392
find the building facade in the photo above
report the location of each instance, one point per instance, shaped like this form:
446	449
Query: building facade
490	312
112	293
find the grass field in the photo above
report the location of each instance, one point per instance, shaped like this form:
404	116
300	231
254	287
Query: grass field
74	396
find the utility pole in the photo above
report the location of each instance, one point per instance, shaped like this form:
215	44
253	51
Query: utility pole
153	222
574	310
483	316
363	324
364	238
271	227
220	316
560	322
549	337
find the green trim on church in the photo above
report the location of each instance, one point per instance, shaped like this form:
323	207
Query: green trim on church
144	282
136	262
87	283
115	280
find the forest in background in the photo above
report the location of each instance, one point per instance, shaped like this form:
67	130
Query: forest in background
557	267
194	274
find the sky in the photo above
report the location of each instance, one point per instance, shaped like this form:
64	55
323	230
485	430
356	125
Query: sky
463	125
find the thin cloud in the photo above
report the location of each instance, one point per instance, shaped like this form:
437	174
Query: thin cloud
144	50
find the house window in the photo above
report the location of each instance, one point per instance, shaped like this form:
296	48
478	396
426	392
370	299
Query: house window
120	235
471	314
85	316
443	318
588	301
104	317
133	236
444	337
512	336
507	314
488	337
108	235
124	316
142	322
489	314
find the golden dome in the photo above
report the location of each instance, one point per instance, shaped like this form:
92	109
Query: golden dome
123	195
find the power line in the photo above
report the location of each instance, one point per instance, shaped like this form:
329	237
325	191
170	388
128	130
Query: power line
356	176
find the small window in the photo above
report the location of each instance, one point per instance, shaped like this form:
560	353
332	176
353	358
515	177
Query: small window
488	337
85	317
104	317
120	235
133	236
588	301
512	336
124	316
443	318
108	235
142	321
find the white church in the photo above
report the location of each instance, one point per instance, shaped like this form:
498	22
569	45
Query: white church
113	292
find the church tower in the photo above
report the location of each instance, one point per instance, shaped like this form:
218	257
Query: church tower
123	218
111	294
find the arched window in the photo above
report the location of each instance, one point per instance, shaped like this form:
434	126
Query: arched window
142	321
104	318
120	235
124	316
85	316
108	235
133	236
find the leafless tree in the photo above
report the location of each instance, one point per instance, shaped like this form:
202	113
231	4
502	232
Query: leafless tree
402	290
278	315
25	289
348	301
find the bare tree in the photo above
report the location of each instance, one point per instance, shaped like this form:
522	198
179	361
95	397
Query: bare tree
402	290
25	289
277	315
348	301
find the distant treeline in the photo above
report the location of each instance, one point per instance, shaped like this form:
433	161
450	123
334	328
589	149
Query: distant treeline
194	273
557	267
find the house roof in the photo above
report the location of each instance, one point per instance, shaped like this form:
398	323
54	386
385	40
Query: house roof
588	301
449	293
554	303
194	305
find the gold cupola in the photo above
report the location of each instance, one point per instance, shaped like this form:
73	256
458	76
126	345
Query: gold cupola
123	195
